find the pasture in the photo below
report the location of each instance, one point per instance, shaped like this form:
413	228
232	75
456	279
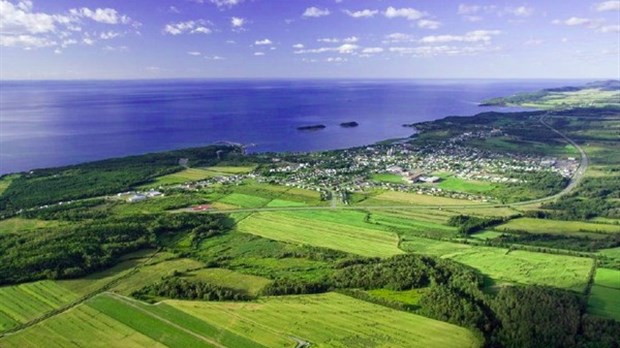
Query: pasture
244	200
605	294
25	302
451	183
231	279
324	229
576	228
17	224
388	178
186	175
405	198
327	320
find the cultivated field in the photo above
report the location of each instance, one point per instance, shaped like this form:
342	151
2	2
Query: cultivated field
605	294
25	302
577	228
15	225
327	320
468	186
325	229
186	175
404	198
244	200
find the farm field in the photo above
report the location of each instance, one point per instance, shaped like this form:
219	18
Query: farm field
404	198
285	203
316	229
186	175
525	267
244	200
231	279
16	224
605	294
230	170
25	302
329	320
578	228
410	225
409	297
81	326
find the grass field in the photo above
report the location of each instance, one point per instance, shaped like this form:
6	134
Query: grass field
605	294
389	178
231	279
451	183
517	266
524	267
576	228
15	225
244	200
81	326
22	303
327	320
285	203
404	198
485	211
186	175
409	297
6	181
231	170
323	229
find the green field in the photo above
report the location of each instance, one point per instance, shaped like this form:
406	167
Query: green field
605	294
408	225
231	279
452	183
186	175
324	229
576	228
389	178
408	297
25	302
15	225
244	200
6	181
285	203
525	267
327	320
404	198
517	266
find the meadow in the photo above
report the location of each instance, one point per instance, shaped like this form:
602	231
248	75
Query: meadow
605	294
387	177
16	225
323	230
451	183
231	279
576	228
328	320
404	198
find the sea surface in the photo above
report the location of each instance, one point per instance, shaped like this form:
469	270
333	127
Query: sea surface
54	123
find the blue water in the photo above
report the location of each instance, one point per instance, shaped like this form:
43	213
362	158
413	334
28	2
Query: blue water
45	124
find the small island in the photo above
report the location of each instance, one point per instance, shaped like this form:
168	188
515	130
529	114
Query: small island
349	124
312	128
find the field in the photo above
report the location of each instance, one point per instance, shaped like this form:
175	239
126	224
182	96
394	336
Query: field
25	302
576	228
244	200
517	266
227	278
605	294
5	181
409	297
327	320
451	183
285	203
404	198
14	225
389	178
186	175
340	231
410	225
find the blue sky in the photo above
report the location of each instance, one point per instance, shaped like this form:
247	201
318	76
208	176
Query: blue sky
78	39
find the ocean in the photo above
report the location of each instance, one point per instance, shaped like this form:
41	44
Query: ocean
54	123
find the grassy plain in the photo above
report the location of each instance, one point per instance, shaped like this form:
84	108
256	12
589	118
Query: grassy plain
409	297
389	178
244	200
22	303
231	279
451	183
323	230
404	198
577	228
16	224
605	294
327	320
186	175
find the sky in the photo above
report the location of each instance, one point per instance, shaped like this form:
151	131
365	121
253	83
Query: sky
142	39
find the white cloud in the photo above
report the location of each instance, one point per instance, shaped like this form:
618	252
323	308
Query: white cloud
214	58
298	46
194	53
224	3
428	24
407	13
264	42
577	21
472	36
368	50
101	15
108	35
328	40
398	37
237	22
351	39
609	29
173	9
315	12
259	53
347	48
362	13
521	11
26	41
335	60
88	41
443	50
19	19
534	42
613	5
187	27
474	13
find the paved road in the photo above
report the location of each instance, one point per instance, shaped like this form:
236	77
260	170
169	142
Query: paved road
575	180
